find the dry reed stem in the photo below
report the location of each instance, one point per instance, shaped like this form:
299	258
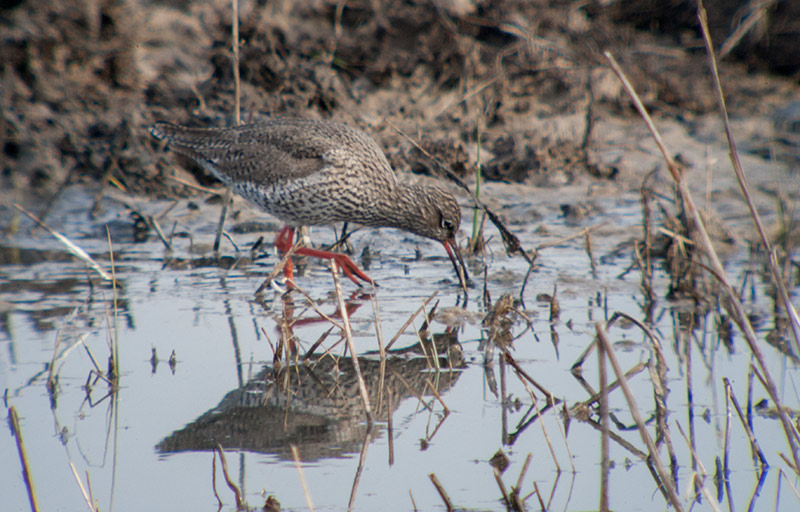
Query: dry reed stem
71	246
561	430
348	334
376	313
223	215
499	479
51	382
114	346
195	186
732	303
362	459
390	426
296	457
754	447
317	343
467	95
539	496
589	253
544	429
85	494
437	396
703	472
442	492
665	482
726	449
93	359
635	369
430	435
742	180
316	308
619	440
214	479
23	458
794	489
278	268
522	473
412	391
757	11
411	319
551	398
236	82
153	222
604	427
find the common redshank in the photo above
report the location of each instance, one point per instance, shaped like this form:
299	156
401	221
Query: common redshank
309	172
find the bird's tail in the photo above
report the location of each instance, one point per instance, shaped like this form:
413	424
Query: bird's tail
186	137
199	144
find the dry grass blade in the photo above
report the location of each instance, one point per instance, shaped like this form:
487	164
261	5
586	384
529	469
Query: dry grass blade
730	298
71	247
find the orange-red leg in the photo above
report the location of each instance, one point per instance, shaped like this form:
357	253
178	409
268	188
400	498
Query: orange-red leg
284	242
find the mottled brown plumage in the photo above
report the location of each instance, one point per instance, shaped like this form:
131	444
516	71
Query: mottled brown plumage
308	172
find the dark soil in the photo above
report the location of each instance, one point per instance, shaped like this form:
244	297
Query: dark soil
82	81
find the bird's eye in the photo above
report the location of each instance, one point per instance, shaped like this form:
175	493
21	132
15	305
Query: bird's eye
446	224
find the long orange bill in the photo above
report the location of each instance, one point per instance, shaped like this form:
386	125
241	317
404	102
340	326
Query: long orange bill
458	263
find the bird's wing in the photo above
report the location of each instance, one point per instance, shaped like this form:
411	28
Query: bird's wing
261	153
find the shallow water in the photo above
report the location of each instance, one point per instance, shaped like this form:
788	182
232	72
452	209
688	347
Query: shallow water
148	446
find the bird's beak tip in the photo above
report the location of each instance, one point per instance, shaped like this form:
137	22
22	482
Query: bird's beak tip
458	262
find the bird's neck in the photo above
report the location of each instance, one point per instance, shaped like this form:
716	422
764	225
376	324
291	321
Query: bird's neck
400	208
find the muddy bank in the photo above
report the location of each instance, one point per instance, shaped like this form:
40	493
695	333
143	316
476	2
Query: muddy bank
523	81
